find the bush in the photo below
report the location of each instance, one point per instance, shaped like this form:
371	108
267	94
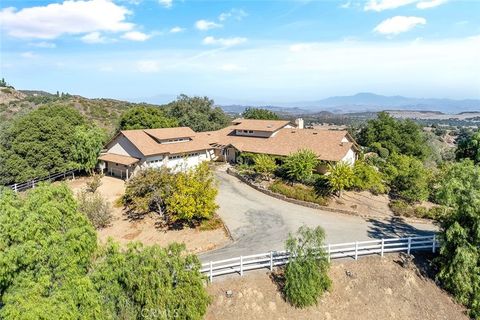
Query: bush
340	176
306	277
264	164
95	207
298	192
94	183
299	166
404	209
367	177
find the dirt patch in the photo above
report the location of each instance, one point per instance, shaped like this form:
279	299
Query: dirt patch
370	288
364	203
144	230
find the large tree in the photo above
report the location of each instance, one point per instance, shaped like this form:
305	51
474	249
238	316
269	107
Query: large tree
259	114
145	117
397	136
469	146
198	113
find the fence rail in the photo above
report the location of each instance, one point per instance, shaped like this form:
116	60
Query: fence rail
334	251
17	187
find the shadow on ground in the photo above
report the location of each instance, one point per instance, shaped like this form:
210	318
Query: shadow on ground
394	227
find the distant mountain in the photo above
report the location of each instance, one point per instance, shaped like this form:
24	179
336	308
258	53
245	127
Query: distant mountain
374	102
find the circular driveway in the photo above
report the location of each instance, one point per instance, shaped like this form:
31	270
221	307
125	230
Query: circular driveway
260	223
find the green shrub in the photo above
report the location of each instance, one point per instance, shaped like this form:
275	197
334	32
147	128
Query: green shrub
298	192
367	177
340	176
95	207
299	166
264	164
94	183
306	273
404	209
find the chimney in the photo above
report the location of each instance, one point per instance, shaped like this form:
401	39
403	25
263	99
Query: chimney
299	123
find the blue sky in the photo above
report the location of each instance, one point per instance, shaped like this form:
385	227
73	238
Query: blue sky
243	51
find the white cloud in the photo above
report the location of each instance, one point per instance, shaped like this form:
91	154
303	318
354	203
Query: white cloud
94	37
346	5
44	44
237	14
28	55
136	36
70	17
224	42
148	66
399	24
231	67
299	47
380	5
166	3
430	4
176	29
206	25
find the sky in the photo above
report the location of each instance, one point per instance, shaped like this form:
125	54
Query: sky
242	51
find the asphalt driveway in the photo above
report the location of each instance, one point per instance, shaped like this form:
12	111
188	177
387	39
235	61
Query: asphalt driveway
260	223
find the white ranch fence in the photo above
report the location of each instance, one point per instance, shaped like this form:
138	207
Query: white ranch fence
334	251
18	187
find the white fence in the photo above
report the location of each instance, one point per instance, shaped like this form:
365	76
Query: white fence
31	184
334	251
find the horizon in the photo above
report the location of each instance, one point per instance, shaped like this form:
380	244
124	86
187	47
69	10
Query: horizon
250	52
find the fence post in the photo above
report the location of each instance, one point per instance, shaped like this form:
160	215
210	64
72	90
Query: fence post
409	245
271	260
241	266
15	187
329	252
383	247
33	184
356	250
211	271
73	175
434	243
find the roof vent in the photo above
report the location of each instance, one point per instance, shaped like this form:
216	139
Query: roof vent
315	132
269	126
293	131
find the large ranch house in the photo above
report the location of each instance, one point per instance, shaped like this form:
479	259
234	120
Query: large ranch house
132	150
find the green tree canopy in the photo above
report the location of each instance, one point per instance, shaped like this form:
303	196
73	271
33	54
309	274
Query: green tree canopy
306	276
198	113
469	146
397	136
264	164
260	114
47	140
368	177
299	165
340	176
143	117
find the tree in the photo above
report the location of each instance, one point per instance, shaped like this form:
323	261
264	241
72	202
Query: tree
198	113
397	136
407	177
259	114
459	259
194	195
150	282
86	146
340	176
306	275
469	146
299	166
264	164
95	207
143	117
367	177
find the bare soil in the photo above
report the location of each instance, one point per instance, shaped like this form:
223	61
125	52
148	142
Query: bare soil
370	288
146	230
364	203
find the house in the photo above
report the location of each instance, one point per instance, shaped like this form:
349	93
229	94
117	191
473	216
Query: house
132	150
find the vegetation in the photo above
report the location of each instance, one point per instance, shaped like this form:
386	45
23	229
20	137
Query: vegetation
405	209
95	182
146	117
367	177
306	277
95	208
469	146
51	267
45	141
264	164
198	113
184	195
340	176
299	166
460	252
397	136
259	114
299	192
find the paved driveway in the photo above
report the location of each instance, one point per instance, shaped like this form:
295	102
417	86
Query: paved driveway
259	223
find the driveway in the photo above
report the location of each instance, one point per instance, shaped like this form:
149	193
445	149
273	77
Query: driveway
260	223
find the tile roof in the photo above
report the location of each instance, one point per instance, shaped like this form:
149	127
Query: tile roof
170	133
259	125
117	158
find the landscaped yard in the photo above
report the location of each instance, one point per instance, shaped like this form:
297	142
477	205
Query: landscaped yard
370	288
146	230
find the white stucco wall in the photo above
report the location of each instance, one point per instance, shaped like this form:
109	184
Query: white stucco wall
350	157
123	146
